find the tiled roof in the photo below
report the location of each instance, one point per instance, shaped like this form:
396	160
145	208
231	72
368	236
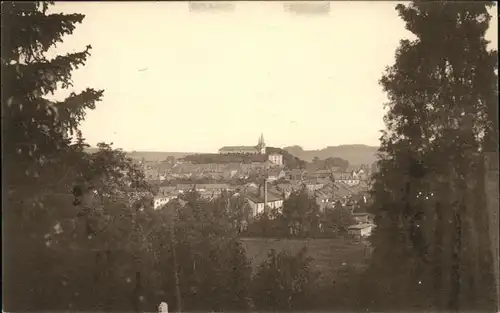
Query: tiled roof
270	198
342	190
235	148
274	172
342	175
322	172
362	214
317	181
360	226
202	186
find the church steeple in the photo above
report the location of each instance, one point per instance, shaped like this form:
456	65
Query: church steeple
261	140
262	144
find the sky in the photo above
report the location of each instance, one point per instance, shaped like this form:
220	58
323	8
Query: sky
182	81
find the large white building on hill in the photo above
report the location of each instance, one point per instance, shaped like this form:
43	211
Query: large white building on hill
259	149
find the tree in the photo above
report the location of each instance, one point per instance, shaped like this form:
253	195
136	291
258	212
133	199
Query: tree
41	160
214	271
336	162
284	282
338	219
428	193
301	213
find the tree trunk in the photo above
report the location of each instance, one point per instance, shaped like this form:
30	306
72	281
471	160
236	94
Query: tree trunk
176	269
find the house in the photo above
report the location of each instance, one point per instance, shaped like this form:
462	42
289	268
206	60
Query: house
346	178
360	230
287	188
205	190
363	218
275	174
166	190
160	201
325	197
276	158
319	174
296	174
322	199
258	203
316	184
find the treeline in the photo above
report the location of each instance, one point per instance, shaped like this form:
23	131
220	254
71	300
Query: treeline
300	217
289	160
331	163
225	158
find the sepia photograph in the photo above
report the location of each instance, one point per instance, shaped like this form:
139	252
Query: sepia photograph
250	156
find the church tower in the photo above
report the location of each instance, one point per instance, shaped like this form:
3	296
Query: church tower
261	145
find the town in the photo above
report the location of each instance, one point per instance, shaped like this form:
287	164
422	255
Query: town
264	185
250	156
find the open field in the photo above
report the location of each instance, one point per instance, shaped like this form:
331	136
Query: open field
330	255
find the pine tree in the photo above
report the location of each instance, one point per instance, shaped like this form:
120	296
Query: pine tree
36	139
432	248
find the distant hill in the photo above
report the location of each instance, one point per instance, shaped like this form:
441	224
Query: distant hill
355	154
152	156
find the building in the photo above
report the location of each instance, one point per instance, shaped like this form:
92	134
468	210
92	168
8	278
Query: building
316	184
211	188
160	201
287	188
360	230
262	199
275	174
296	174
324	197
346	178
259	203
363	218
259	149
319	174
276	158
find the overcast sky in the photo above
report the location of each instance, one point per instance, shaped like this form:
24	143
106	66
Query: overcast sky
193	82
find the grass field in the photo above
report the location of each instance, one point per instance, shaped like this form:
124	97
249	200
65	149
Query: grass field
330	255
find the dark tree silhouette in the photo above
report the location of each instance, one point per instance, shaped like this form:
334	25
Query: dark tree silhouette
432	246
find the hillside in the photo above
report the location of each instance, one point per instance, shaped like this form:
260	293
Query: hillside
289	160
355	154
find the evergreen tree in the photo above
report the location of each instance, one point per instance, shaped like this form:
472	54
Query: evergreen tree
432	247
41	162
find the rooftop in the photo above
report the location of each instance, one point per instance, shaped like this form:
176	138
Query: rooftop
360	226
270	198
232	148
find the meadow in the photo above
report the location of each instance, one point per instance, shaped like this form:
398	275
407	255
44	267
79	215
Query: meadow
330	256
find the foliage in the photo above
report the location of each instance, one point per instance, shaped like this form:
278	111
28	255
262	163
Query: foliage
214	272
301	213
42	161
289	160
284	282
85	220
331	163
225	158
338	219
428	192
